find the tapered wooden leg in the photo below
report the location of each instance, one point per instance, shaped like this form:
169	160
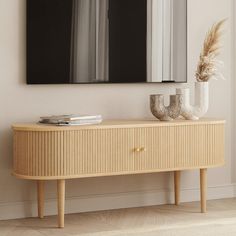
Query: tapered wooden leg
40	193
61	202
203	187
177	187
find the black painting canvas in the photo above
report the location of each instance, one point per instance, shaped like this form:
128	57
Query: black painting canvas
86	41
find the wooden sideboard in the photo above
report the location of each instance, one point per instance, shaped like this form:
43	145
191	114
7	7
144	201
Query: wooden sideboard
122	147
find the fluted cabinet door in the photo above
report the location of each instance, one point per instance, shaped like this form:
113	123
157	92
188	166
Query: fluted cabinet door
116	150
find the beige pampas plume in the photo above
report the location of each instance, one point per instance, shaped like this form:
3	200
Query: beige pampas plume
208	65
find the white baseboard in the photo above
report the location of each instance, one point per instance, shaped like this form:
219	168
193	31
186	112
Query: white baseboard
14	210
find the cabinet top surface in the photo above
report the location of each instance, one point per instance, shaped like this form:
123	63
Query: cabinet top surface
107	124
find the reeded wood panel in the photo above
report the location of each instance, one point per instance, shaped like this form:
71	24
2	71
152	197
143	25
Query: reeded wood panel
113	151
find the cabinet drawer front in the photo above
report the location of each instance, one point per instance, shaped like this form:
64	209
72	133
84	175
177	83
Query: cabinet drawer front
178	147
97	152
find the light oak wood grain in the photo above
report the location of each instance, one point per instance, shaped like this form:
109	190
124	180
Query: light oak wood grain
109	124
203	188
116	148
95	152
61	202
40	193
162	220
177	187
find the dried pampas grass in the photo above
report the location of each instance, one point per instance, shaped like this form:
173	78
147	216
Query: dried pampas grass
208	65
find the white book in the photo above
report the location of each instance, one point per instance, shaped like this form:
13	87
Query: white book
70	118
80	123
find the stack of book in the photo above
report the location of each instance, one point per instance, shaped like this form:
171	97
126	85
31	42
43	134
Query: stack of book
69	120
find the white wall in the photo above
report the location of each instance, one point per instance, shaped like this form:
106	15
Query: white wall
24	103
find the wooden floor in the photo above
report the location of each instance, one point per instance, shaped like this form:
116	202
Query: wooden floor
167	220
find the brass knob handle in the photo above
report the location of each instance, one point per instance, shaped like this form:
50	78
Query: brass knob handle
141	149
